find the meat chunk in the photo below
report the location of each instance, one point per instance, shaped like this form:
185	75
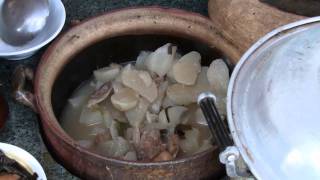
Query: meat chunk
163	156
150	145
100	94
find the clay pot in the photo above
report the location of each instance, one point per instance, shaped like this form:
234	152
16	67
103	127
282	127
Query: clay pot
243	22
118	37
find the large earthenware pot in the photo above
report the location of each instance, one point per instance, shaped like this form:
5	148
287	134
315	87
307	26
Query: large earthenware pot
118	37
243	22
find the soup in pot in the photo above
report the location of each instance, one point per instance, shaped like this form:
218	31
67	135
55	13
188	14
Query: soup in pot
146	110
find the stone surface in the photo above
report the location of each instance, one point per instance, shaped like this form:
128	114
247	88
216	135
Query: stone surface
22	128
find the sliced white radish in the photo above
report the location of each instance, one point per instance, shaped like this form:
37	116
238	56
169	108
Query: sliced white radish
151	118
170	74
175	114
82	94
97	130
167	102
116	86
186	70
130	156
190	144
115	113
202	83
140	82
200	119
114	148
156	105
125	99
206	144
136	115
140	62
218	77
114	130
163	119
107	74
145	77
107	117
100	94
85	143
160	61
90	116
180	94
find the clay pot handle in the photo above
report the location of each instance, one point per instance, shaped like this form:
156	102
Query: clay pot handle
21	76
217	128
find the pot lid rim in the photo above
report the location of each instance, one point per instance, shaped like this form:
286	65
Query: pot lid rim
275	34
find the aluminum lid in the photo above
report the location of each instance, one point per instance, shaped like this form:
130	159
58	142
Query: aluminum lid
274	103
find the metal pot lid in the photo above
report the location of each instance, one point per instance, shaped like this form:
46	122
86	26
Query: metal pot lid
274	103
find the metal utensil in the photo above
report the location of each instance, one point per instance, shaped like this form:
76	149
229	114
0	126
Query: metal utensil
229	154
21	21
206	102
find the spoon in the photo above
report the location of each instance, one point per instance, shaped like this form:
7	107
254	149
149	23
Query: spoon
22	20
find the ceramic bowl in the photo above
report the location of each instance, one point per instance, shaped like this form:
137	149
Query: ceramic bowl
53	27
23	158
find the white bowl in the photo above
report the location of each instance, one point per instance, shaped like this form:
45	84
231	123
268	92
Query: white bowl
24	158
55	23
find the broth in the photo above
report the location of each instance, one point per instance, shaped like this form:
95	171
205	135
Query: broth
113	115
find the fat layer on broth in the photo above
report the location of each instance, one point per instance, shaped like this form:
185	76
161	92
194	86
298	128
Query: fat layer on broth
146	111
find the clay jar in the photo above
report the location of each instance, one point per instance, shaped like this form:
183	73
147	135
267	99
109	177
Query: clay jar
243	22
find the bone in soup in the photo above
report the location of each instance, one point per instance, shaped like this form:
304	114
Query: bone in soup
146	111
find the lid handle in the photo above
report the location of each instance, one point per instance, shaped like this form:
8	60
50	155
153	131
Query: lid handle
217	128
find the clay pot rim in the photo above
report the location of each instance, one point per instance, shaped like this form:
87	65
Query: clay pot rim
46	112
